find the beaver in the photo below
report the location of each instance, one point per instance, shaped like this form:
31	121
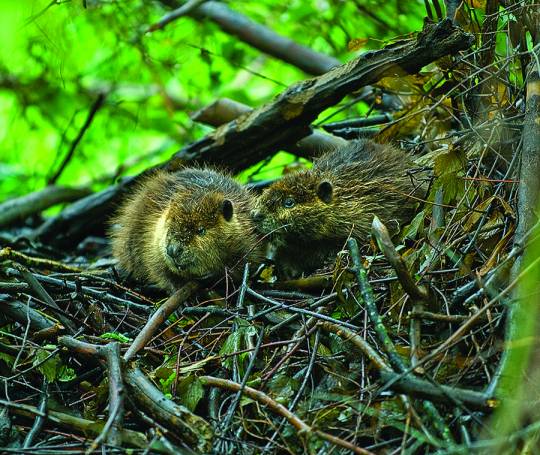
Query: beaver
189	224
310	214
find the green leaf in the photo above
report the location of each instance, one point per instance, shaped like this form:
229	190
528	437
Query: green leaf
50	367
65	373
9	359
415	227
190	390
115	336
237	341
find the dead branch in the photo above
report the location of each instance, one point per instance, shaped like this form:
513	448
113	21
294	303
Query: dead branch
357	341
23	314
256	35
130	438
415	291
38	289
415	387
159	317
29	261
395	360
300	426
225	110
176	418
19	208
285	120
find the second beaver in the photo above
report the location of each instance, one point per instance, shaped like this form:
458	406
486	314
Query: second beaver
190	224
310	214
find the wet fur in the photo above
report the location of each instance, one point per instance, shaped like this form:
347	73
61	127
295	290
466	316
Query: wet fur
169	209
366	179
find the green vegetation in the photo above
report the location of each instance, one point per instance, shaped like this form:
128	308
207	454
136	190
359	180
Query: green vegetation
56	57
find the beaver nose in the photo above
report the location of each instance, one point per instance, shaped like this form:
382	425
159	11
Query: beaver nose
173	250
257	216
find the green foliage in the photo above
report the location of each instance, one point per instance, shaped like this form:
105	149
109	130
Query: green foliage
190	391
237	341
115	336
56	57
52	367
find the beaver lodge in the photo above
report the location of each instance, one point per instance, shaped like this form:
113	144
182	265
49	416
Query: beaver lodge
420	341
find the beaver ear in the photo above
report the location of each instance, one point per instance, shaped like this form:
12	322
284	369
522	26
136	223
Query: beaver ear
325	191
227	209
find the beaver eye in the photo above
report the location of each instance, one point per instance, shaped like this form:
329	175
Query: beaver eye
288	203
201	230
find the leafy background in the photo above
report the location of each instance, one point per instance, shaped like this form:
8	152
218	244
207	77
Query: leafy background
56	57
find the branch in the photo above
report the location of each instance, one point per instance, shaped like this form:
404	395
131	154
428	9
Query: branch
256	35
160	316
98	103
415	291
285	120
348	335
178	419
22	207
300	426
225	110
186	425
529	182
420	388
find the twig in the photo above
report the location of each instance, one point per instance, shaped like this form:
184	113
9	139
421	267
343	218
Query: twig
189	426
301	389
40	418
183	10
89	118
369	300
314	314
224	425
415	387
380	330
438	317
17	209
17	311
160	316
129	437
21	258
415	291
358	341
45	296
303	428
112	430
96	294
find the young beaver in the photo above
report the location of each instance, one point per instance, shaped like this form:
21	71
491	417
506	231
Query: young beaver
191	224
311	214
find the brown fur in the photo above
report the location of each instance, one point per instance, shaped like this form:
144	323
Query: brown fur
336	199
191	224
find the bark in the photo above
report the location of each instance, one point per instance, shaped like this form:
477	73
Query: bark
226	110
22	207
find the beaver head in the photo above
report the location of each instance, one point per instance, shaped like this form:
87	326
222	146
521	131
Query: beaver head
198	235
299	205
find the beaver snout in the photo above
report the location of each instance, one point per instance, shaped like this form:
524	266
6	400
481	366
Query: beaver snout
174	251
257	216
